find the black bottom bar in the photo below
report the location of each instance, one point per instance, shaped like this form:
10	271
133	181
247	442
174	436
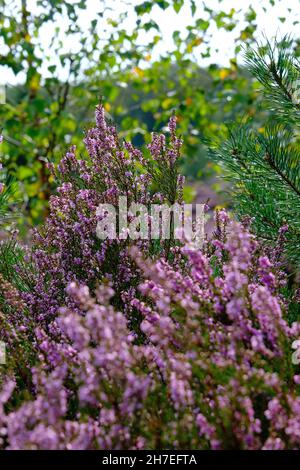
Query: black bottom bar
136	459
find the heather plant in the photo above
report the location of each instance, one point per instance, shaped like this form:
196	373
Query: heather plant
67	249
213	368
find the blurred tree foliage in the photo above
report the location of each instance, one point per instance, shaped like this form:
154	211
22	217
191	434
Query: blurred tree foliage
59	89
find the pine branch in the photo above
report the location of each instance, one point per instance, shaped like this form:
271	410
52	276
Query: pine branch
264	167
277	68
281	174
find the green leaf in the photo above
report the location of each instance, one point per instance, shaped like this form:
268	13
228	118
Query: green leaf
203	25
177	5
145	7
193	7
163	4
